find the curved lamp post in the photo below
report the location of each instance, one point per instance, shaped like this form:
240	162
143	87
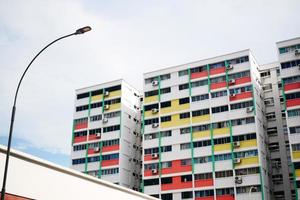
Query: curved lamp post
77	32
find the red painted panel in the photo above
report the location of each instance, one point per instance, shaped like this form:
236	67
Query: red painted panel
293	102
110	148
242	80
109	162
204	182
14	197
149	157
243	95
199	74
217	70
225	197
148	172
81	125
292	86
92	151
177	184
176	167
218	85
80	139
204	198
94	137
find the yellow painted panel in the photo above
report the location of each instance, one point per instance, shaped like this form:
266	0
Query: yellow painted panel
248	161
176	121
175	107
296	154
221	131
97	97
222	147
114	94
297	172
115	106
248	143
201	134
151	99
150	114
201	118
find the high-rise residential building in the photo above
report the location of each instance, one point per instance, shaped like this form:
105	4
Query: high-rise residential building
289	60
203	131
106	140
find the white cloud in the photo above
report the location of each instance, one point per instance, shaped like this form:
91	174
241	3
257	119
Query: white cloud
128	39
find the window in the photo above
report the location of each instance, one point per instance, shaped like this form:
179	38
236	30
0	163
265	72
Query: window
95	118
204	159
200	97
113	88
167	164
166	133
81	121
97	92
238	122
202	143
272	131
289	48
246	171
222	140
93	159
293	113
200	112
186	178
165	90
79	147
96	105
218	79
219	94
183	73
264	74
204	193
184	100
273	146
221	157
186	195
106	143
112	114
184	130
271	116
78	161
166	180
204	127
199	83
111	128
185	146
296	147
166	148
295	129
267	87
239	75
112	101
151	150
151	166
220	109
238	60
150	80
223	174
239	90
203	176
168	196
186	162
184	115
83	95
245	154
165	77
183	86
250	136
198	69
269	101
113	156
248	189
81	108
219	125
217	65
224	191
295	95
292	79
165	119
110	171
94	131
151	121
290	64
151	93
149	182
241	105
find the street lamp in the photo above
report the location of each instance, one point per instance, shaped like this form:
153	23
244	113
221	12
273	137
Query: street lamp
77	32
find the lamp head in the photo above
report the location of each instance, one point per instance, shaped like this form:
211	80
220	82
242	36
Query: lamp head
83	30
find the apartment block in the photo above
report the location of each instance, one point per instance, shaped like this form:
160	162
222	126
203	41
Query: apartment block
106	140
203	131
289	60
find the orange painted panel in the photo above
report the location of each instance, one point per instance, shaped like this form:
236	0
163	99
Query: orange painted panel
225	197
243	95
217	70
93	137
293	102
199	74
177	184
176	167
111	148
109	162
14	197
80	139
204	182
242	80
218	85
292	86
204	198
81	126
149	157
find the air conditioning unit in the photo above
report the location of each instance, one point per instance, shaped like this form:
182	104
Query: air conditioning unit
154	110
229	67
185	180
154	83
237	161
154	155
238	180
96	149
297	52
98	135
236	144
106	93
232	95
104	120
155	125
154	171
106	107
231	81
249	109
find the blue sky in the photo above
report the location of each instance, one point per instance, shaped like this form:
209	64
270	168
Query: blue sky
128	39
